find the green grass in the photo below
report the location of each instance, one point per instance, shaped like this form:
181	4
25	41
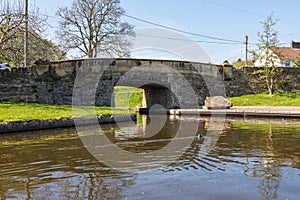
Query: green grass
32	111
278	99
125	98
128	96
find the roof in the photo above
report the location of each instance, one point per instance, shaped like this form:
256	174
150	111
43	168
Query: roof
287	53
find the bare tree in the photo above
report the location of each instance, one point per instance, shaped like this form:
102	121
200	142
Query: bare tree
94	27
11	18
12	27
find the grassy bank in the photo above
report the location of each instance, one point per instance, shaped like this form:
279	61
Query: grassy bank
30	111
278	99
125	98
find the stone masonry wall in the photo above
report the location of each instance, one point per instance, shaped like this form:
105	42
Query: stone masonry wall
52	83
245	82
39	84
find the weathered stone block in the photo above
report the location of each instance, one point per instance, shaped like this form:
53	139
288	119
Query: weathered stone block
217	102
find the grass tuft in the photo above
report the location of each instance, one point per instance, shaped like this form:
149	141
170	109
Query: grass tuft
263	99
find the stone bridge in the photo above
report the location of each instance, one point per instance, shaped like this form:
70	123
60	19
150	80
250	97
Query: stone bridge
165	82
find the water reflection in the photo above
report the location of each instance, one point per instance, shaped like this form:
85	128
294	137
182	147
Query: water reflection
255	159
55	164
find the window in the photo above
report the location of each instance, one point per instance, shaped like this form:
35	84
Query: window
287	63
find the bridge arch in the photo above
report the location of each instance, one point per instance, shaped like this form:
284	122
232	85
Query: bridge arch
151	93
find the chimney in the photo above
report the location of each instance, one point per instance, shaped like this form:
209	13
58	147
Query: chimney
295	45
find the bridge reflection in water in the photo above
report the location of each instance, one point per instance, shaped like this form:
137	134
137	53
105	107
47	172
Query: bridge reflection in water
254	159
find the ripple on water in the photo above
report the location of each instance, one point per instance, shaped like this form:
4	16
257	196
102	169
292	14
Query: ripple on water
253	160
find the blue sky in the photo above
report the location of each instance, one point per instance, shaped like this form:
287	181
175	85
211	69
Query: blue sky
228	19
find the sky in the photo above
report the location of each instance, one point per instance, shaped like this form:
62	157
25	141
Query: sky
219	19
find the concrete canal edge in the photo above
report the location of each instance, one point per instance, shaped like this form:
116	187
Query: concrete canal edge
7	127
236	111
244	111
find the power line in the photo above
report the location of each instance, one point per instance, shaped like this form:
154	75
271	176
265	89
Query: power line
222	40
185	40
234	8
50	16
225	41
244	10
182	31
30	12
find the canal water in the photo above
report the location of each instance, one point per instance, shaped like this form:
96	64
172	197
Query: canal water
245	159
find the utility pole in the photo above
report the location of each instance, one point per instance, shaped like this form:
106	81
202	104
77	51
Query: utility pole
246	52
26	33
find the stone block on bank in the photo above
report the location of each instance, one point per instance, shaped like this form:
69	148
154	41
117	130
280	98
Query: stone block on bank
217	102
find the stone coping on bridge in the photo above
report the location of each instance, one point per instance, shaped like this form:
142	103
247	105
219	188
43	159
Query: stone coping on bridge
139	59
244	111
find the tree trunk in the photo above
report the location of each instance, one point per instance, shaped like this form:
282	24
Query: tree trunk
271	92
269	82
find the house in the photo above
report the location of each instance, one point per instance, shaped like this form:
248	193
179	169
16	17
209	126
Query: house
283	56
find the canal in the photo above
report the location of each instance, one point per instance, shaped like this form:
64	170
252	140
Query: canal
182	158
